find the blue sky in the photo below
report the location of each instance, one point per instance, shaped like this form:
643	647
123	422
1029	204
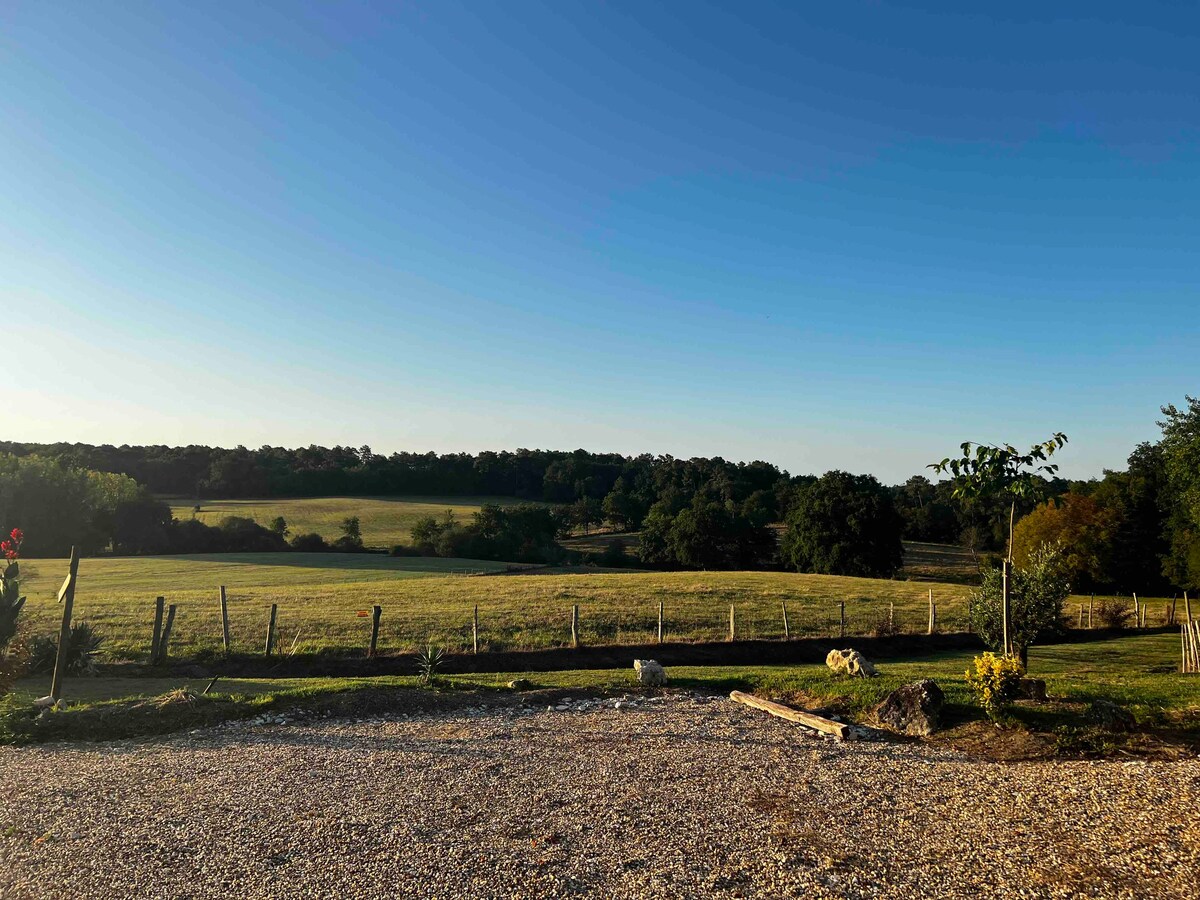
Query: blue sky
826	235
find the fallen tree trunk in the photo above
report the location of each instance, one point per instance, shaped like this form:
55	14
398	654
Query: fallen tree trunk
839	730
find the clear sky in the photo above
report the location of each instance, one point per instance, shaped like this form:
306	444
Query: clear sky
826	235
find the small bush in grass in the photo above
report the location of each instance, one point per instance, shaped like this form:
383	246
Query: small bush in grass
309	543
994	681
83	646
1113	613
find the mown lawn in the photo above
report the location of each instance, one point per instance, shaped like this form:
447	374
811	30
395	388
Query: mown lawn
1136	671
384	521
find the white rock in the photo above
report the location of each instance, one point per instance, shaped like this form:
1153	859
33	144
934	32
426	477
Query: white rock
850	662
649	672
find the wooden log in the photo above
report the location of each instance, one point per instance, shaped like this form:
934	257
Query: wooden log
376	613
271	629
224	620
67	595
165	643
575	625
787	631
475	631
661	624
156	636
839	730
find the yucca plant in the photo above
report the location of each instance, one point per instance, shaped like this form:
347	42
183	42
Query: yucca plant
429	663
83	646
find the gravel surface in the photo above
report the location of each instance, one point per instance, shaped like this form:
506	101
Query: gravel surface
675	797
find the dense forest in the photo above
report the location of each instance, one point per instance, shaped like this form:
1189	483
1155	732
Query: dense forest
1137	528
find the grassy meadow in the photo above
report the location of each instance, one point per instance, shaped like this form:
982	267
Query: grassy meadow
431	600
428	600
385	521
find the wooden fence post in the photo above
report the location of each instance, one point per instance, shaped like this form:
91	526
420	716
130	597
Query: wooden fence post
165	642
1171	614
932	614
661	624
842	617
1080	615
156	637
1137	613
1005	613
787	631
376	612
575	625
1091	603
271	629
66	596
891	614
224	620
475	631
732	624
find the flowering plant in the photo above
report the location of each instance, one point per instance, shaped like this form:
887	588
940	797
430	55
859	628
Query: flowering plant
11	602
994	682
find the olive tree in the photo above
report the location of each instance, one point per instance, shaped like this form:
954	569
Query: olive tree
1037	592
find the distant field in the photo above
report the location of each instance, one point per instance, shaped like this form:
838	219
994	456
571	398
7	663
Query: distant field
930	562
385	521
431	600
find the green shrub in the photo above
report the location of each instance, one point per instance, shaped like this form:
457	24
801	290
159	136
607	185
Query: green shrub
994	681
1036	597
83	646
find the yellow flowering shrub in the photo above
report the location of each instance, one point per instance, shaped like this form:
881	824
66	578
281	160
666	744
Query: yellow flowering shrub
994	681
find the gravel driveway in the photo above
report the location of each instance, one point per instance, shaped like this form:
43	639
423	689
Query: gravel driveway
680	797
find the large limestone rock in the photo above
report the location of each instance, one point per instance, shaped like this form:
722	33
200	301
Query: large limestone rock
649	672
914	709
850	662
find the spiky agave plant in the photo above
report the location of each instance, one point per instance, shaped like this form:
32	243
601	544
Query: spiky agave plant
429	664
83	647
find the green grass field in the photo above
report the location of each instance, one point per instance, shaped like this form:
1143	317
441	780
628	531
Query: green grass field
1135	671
385	521
431	600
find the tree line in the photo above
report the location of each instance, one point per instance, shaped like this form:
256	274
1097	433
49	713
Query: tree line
1133	529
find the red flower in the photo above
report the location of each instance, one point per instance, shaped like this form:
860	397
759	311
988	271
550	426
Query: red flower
17	535
10	554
